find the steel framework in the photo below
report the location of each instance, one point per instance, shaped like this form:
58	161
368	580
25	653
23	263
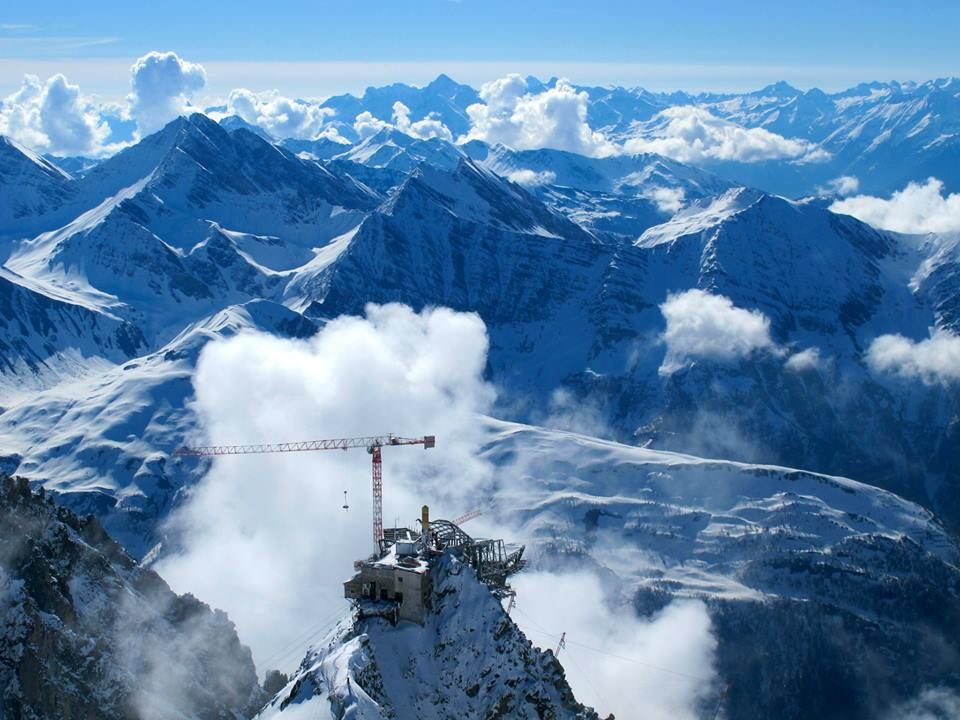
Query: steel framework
373	444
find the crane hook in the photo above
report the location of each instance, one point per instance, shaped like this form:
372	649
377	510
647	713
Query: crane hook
346	506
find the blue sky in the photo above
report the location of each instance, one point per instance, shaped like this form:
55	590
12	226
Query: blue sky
317	47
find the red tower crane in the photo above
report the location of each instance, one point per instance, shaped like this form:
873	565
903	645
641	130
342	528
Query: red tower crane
373	444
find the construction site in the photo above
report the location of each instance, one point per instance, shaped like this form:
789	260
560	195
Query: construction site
394	581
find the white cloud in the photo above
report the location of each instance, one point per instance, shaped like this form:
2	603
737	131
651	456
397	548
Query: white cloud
428	127
53	117
265	537
280	116
658	669
555	118
692	134
583	415
531	178
366	125
933	360
162	85
804	360
668	200
915	209
840	187
700	324
936	703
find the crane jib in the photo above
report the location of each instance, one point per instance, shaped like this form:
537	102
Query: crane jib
428	441
372	444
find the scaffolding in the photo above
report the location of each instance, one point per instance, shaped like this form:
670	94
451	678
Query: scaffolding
491	559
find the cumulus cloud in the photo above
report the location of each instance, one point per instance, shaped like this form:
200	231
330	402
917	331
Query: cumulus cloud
162	85
695	135
532	178
804	360
668	200
53	117
367	125
658	669
933	360
428	127
700	324
280	116
556	118
264	536
918	208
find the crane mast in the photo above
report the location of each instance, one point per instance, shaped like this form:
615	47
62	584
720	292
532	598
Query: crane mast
374	444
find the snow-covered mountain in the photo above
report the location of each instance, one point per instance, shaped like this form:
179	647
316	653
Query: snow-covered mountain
443	98
800	570
468	660
31	186
568	303
885	134
85	632
188	221
101	441
113	282
618	196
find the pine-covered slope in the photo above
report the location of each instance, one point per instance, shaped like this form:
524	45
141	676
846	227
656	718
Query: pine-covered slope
86	633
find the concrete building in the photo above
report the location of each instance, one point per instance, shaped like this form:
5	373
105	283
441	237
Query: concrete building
397	577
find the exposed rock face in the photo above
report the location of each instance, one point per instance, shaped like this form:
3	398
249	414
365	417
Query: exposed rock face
467	661
86	633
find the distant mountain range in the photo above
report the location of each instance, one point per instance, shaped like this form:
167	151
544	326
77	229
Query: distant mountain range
115	277
884	134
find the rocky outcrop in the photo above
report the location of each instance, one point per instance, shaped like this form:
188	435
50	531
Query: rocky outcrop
468	660
86	633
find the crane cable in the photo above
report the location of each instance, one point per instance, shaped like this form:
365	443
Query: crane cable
324	625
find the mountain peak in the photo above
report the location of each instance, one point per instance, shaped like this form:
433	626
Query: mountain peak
443	84
11	149
469	653
780	89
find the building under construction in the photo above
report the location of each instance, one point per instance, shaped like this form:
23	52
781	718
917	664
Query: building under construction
397	583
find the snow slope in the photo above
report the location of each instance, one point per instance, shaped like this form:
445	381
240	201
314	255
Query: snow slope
467	661
818	587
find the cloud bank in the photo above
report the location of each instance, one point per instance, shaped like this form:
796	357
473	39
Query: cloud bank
264	536
933	360
367	125
918	208
281	117
162	85
53	117
512	115
702	325
695	135
661	669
